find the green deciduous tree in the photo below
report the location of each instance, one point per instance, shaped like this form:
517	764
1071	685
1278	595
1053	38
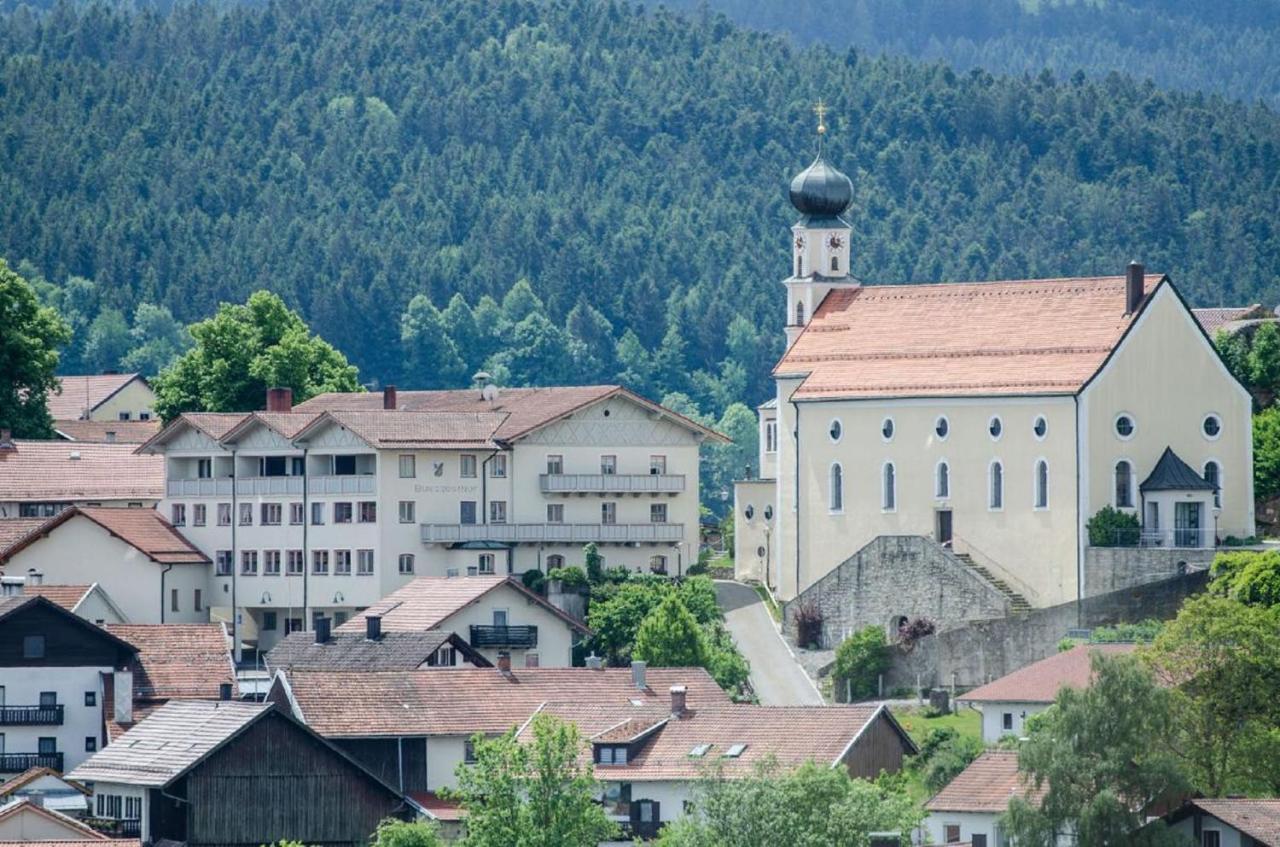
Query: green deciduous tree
431	359
1221	659
30	335
860	659
1096	752
1247	576
394	833
670	637
540	793
814	806
108	341
241	352
1266	453
157	339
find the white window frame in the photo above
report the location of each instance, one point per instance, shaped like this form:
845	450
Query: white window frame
1115	473
1204	420
835	430
835	489
609	513
498	511
1217	495
992	505
609	465
555	464
555	513
888	488
271	562
408	510
1036	505
995	421
1036	420
498	466
1115	426
486	563
893	429
658	464
943	422
365	562
467	465
406	564
658	513
178	514
342	562
408	466
771	436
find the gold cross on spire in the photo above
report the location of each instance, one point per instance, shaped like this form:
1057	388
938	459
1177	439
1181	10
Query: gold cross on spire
821	111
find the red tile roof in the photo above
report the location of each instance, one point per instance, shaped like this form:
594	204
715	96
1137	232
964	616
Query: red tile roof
527	409
1039	682
80	394
987	785
1014	337
462	701
66	596
188	660
1259	819
60	471
143	529
1221	318
438	807
13	530
107	432
417	430
426	602
786	735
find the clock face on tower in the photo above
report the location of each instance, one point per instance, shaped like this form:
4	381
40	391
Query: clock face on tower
835	242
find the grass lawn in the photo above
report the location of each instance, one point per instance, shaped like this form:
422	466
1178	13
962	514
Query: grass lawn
965	722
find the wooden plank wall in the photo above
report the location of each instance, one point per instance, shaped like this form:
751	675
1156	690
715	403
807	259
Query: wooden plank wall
880	747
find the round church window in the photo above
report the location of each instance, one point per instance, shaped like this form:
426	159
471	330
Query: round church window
1212	427
837	430
886	429
995	427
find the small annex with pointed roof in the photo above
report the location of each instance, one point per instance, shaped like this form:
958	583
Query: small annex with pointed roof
27	822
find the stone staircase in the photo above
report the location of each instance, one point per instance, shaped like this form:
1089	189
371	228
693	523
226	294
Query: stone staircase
1017	603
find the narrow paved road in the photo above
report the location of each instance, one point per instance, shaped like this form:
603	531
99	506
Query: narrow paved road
775	675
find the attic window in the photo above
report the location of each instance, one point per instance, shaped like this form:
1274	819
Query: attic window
735	751
699	751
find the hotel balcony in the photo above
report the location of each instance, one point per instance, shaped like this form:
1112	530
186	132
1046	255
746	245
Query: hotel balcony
21	762
521	637
256	485
563	533
348	484
220	487
31	715
596	483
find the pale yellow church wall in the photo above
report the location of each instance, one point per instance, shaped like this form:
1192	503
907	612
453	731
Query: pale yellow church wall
785	538
1167	377
1034	549
134	398
753	536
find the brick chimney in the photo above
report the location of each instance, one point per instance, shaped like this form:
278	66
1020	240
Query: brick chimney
504	663
594	662
373	627
224	691
389	397
279	399
679	695
1133	279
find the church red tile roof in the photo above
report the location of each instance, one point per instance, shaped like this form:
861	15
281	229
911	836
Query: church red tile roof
61	471
1020	337
1039	682
80	394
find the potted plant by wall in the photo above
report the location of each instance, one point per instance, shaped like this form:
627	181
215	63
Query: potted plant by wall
809	625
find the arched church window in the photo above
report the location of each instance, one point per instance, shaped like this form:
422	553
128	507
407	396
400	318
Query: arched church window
1213	476
942	486
889	496
1042	484
1124	485
837	488
995	486
799	313
835	263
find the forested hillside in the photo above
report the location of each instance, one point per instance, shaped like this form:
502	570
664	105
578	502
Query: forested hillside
1226	46
631	166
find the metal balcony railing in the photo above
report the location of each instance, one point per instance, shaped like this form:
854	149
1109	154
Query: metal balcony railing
566	533
31	715
587	483
19	762
1185	538
523	637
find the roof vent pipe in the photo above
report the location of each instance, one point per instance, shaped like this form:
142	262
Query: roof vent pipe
1134	276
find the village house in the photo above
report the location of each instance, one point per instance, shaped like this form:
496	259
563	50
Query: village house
204	772
1233	319
969	808
650	759
1007	702
52	667
494	614
38	479
28	823
102	398
48	789
1234	822
151	573
90	602
937	450
372	651
413	728
324	509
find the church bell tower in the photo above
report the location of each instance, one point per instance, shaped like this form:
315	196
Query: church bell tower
820	239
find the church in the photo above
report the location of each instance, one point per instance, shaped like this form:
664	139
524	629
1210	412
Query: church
987	423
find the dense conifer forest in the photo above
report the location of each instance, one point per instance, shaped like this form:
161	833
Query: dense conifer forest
1225	46
569	190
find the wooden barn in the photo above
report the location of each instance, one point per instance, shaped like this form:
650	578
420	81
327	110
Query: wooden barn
208	773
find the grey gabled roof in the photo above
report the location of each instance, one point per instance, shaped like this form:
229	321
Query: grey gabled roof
1173	474
352	651
172	740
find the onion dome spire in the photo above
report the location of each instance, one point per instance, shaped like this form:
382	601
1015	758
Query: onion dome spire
820	190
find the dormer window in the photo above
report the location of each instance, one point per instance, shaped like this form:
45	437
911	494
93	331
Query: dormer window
610	754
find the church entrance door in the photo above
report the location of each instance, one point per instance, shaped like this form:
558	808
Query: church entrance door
942	527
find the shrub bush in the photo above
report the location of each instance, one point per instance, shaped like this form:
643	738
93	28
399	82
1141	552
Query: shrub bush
1113	528
860	659
571	576
533	580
